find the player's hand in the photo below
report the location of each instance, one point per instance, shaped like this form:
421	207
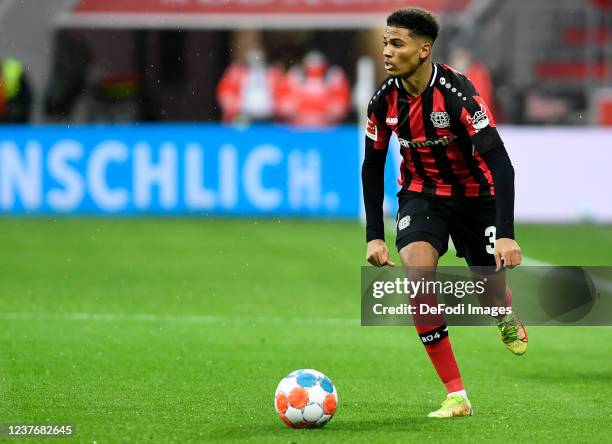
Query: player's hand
378	253
507	253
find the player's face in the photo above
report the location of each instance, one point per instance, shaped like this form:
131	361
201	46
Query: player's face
402	53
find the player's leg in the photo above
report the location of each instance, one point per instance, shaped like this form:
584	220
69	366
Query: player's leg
474	237
422	237
419	259
497	294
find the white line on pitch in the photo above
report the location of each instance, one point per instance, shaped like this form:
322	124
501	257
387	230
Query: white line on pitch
204	319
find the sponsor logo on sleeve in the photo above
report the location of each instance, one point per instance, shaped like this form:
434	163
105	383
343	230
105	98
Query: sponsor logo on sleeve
480	119
372	131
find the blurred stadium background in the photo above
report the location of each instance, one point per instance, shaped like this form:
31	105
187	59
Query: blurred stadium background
174	245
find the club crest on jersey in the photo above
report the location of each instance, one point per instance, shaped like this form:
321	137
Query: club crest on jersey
440	119
372	131
480	119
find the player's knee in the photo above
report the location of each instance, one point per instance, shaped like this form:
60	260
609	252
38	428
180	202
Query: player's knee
419	254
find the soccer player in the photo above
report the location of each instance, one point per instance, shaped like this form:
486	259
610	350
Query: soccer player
456	177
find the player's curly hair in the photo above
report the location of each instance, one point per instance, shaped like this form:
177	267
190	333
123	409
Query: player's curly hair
418	21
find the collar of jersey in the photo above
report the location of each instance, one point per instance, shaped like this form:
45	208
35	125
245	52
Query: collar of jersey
432	80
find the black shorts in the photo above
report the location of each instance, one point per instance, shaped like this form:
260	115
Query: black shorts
470	221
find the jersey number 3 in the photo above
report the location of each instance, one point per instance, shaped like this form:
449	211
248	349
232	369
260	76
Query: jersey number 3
490	235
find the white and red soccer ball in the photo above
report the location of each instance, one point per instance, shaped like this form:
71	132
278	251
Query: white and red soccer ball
306	399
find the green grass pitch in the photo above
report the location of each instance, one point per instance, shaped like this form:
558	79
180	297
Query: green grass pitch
170	330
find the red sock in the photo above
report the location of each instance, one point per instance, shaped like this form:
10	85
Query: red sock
443	359
434	335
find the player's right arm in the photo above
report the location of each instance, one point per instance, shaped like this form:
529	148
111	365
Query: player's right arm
373	183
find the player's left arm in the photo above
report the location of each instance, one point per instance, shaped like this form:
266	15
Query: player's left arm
507	251
480	124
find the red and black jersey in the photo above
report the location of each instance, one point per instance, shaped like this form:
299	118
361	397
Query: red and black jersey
449	145
437	132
